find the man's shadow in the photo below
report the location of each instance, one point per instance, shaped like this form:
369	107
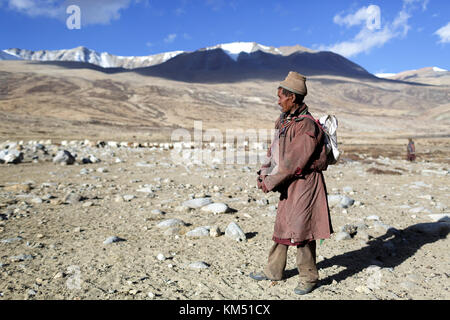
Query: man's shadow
387	251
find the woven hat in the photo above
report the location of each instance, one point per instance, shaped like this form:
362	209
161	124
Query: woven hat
295	82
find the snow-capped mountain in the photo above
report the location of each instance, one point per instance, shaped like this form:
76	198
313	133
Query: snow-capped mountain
428	71
6	56
428	75
233	49
82	54
107	60
234	61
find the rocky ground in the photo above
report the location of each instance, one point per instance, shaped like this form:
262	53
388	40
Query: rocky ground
127	222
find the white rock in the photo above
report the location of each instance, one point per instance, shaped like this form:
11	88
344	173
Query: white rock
216	208
197	203
112	240
346	202
334	199
342	235
170	223
160	257
64	157
156	212
146	190
199	232
129	197
234	232
198	265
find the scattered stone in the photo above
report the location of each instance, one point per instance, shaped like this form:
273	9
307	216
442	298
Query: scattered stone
197	203
342	235
198	265
72	198
234	232
346	202
215	232
129	197
18	188
113	239
199	232
157	212
31	292
11	240
161	257
11	156
334	199
350	229
36	200
170	223
216	208
64	157
146	190
21	257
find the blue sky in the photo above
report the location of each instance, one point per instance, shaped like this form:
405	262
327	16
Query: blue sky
379	35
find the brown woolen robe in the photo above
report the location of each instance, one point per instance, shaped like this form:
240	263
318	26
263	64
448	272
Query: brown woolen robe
303	213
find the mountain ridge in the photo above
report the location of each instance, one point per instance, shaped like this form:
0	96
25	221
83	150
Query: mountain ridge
228	62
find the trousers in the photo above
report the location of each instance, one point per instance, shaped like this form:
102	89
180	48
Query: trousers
306	262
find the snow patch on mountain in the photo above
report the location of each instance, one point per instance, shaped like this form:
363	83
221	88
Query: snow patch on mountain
7	56
436	69
233	49
82	54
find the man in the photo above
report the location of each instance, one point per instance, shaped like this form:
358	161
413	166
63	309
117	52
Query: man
410	150
303	215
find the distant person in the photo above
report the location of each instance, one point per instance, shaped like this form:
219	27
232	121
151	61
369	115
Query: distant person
411	150
303	215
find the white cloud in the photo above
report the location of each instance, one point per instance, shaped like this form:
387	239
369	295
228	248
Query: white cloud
92	12
36	8
444	33
372	33
371	15
170	38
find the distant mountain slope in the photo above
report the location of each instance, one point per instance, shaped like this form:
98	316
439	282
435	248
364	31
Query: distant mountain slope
215	65
7	56
236	61
82	54
428	75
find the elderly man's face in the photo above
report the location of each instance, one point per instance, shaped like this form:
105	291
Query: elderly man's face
285	102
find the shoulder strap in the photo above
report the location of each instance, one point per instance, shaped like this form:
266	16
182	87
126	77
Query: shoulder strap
300	117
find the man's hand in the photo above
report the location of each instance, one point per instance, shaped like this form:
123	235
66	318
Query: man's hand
261	184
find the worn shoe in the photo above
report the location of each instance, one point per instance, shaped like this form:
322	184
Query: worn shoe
304	288
258	276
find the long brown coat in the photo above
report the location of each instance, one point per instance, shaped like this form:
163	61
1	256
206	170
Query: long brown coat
303	212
